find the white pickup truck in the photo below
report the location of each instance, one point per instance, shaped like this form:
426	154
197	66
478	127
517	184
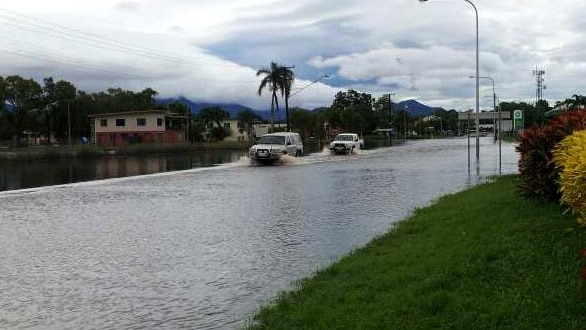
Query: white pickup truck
346	143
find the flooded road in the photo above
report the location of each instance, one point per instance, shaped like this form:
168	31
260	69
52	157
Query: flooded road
203	248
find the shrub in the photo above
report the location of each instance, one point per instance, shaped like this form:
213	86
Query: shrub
570	159
538	171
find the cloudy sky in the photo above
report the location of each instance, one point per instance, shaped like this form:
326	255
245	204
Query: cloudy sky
210	50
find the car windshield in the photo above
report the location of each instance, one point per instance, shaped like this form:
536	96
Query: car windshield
271	139
344	138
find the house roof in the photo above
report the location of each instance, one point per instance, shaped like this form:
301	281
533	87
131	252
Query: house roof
110	114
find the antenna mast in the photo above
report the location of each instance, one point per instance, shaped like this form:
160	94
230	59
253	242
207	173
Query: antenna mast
540	86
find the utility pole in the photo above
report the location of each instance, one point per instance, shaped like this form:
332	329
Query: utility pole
390	115
68	124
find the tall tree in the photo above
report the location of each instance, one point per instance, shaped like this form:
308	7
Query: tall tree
287	78
308	123
272	80
214	115
145	99
179	108
353	111
580	100
64	116
5	115
246	119
22	95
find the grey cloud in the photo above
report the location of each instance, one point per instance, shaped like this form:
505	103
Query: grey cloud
126	6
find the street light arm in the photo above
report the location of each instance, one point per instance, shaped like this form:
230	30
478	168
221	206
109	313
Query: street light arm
311	83
477	121
486	77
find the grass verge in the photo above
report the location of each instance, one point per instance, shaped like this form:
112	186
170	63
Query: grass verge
83	152
484	258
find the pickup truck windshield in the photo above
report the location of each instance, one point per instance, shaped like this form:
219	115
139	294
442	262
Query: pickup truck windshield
272	140
344	138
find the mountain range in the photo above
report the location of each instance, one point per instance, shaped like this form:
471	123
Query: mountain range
232	108
413	108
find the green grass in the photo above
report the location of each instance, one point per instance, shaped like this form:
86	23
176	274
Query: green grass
509	138
481	259
85	151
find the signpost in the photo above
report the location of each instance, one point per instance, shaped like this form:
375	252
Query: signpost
518	120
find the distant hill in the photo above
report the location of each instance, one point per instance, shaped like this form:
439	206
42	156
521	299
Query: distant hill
412	107
415	108
232	108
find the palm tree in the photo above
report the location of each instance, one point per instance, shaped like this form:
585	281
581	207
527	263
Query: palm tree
580	101
213	115
287	78
272	80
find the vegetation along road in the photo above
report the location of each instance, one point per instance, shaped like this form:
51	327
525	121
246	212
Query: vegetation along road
484	258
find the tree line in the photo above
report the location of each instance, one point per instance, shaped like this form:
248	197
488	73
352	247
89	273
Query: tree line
58	109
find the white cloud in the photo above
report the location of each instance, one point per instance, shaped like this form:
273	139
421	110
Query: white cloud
210	50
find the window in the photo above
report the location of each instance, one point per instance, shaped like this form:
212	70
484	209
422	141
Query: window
140	121
226	125
159	121
103	122
120	122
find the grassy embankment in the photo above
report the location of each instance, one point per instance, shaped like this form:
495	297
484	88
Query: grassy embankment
484	258
51	152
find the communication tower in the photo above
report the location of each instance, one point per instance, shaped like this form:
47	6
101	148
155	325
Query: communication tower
540	85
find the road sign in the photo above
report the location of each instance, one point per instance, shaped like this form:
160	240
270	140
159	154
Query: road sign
518	119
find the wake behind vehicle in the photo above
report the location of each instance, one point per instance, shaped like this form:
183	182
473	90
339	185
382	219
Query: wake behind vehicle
346	143
271	147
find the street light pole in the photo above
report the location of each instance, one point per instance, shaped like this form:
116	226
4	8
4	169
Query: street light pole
405	124
499	119
477	122
390	110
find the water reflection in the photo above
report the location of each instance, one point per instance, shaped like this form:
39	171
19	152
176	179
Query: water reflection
202	249
37	173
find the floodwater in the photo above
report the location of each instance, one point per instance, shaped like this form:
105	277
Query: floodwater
45	172
204	248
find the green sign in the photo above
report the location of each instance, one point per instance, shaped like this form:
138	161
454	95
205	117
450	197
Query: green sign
518	119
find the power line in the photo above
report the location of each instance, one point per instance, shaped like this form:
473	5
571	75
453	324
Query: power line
56	30
13	48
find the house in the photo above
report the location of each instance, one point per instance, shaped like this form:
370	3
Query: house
260	129
236	133
148	126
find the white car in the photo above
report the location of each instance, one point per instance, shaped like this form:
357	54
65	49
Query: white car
346	143
271	147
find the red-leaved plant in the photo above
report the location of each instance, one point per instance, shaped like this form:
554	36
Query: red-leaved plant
539	174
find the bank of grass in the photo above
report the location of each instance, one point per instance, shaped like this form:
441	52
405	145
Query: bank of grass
50	152
86	151
484	258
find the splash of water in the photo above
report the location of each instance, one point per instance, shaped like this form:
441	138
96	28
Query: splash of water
288	160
